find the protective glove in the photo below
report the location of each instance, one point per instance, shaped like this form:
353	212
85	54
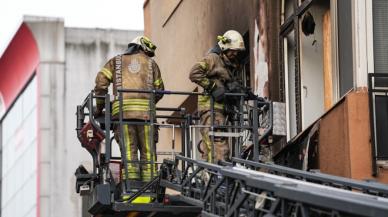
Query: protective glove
234	87
212	86
218	93
251	96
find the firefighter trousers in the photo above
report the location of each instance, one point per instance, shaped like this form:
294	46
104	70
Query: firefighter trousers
137	138
221	146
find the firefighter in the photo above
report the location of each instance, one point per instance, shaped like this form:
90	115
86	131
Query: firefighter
214	73
134	69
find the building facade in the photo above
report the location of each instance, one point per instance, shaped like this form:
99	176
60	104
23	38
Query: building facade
312	56
48	70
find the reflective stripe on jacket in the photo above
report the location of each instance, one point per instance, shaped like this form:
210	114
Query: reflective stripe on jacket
204	104
131	105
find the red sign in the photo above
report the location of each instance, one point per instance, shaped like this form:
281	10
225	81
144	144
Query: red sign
17	65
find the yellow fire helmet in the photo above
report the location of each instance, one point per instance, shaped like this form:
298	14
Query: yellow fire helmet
146	44
231	40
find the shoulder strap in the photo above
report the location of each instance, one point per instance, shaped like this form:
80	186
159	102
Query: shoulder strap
118	73
151	76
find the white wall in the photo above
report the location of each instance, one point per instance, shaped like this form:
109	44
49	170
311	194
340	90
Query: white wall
362	41
49	34
19	153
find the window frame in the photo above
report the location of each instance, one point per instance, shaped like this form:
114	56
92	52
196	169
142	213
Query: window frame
290	24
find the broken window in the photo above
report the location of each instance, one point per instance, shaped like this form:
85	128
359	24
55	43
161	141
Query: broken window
315	70
306	74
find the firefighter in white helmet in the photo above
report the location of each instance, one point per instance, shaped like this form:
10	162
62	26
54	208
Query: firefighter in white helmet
134	69
213	73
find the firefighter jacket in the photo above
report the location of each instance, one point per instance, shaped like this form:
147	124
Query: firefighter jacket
213	71
130	71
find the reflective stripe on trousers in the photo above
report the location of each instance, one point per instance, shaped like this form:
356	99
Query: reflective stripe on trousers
137	138
147	169
131	155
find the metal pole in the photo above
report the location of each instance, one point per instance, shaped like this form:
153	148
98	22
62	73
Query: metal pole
160	92
93	122
241	116
212	128
173	141
108	147
122	142
189	147
191	142
255	133
372	123
183	149
151	133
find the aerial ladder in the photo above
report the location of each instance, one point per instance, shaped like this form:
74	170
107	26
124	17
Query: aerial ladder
186	186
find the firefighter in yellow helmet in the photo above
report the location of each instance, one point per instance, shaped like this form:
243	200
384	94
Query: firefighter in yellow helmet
134	69
213	73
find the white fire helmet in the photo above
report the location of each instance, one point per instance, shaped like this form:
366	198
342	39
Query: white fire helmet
146	44
231	40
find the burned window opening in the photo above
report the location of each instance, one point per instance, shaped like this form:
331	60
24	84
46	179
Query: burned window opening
305	86
308	24
292	24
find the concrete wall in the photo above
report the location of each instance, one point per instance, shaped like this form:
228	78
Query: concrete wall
70	60
184	30
49	34
147	19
